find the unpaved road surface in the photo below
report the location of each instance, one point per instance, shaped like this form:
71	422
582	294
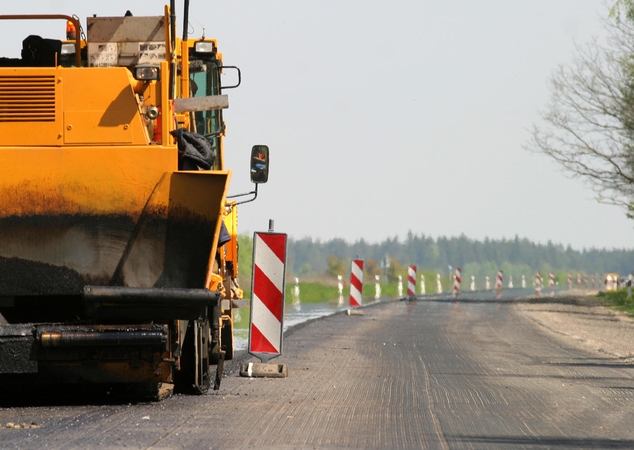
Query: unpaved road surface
422	374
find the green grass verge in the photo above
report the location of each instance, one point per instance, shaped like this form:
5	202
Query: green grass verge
617	300
313	292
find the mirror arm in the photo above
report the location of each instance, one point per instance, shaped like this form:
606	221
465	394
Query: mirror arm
216	133
254	193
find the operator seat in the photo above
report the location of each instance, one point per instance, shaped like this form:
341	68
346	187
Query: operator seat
40	52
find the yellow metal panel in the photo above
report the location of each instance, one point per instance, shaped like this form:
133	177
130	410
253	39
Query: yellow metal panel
100	107
81	180
231	248
84	127
177	235
30	113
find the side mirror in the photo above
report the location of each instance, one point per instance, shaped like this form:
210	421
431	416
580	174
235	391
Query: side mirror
259	164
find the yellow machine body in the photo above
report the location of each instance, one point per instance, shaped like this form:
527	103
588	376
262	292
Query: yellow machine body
94	201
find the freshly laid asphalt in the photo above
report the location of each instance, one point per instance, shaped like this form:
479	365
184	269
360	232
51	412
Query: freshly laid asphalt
420	374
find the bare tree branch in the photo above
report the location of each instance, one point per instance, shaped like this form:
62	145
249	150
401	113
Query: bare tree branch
588	125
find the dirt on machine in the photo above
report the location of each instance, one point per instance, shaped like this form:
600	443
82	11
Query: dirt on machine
118	239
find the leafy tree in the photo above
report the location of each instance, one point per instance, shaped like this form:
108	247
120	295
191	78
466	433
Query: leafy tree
245	258
336	266
622	8
371	268
394	270
588	126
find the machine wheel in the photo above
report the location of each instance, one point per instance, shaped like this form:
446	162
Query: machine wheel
193	377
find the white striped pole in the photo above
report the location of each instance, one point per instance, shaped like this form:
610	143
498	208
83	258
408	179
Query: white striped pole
438	284
487	283
510	282
499	279
422	284
456	282
295	294
538	284
551	283
377	287
411	281
473	288
267	299
356	282
498	283
551	279
523	281
399	286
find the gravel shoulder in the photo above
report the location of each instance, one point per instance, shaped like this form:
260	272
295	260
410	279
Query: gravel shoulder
578	320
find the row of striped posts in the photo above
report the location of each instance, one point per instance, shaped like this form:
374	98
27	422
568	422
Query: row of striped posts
267	302
357	277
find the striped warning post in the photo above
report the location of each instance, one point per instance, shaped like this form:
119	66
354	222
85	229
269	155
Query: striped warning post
538	284
411	281
456	282
499	279
267	299
551	279
569	280
578	279
356	282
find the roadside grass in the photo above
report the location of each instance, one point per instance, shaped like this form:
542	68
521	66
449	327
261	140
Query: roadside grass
314	292
617	300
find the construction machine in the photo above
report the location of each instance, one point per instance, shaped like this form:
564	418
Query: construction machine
118	240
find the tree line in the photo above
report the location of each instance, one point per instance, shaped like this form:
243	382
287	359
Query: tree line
518	256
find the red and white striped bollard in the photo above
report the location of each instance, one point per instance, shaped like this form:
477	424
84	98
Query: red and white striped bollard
267	299
356	282
499	280
538	284
456	282
551	283
411	281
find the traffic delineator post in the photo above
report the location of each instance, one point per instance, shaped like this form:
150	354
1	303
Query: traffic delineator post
267	295
411	281
456	282
499	280
356	282
551	283
538	284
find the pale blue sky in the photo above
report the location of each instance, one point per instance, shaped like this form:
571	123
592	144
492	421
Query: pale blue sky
389	116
